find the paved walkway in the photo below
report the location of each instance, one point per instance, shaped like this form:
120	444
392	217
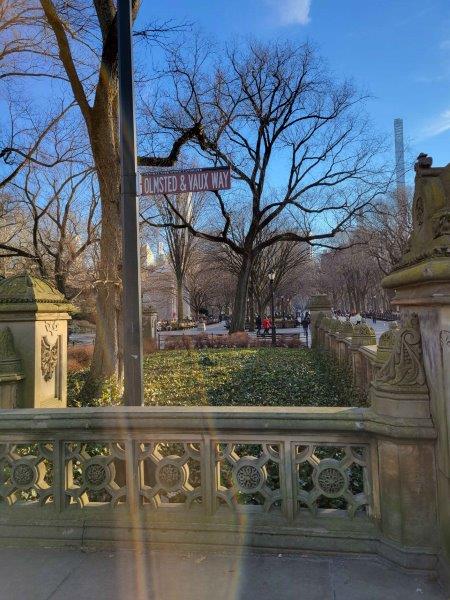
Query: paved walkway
66	574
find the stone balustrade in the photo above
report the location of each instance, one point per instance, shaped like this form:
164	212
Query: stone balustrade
290	478
355	347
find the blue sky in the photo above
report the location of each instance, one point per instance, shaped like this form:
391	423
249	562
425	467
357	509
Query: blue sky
398	50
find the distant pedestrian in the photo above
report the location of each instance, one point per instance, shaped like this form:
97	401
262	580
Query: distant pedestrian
266	325
306	321
258	323
358	318
374	318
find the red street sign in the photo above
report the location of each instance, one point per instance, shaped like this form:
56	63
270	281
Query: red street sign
180	182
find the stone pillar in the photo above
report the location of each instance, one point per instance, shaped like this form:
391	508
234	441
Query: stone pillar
11	374
363	335
318	306
149	320
36	315
407	481
345	332
421	282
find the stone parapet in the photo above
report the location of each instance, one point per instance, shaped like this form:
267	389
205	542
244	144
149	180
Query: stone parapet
307	478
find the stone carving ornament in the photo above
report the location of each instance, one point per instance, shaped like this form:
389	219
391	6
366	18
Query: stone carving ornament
405	364
171	474
174	483
248	478
441	224
23	476
51	327
49	357
331	481
331	477
96	475
249	474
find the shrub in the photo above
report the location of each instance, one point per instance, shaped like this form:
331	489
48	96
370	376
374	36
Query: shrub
80	393
239	340
79	357
178	342
149	346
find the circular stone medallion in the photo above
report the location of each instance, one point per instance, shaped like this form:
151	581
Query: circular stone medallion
170	476
95	475
248	478
331	481
23	475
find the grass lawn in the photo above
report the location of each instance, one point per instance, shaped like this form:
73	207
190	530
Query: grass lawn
240	377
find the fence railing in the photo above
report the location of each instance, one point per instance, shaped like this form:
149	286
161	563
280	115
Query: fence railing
285	478
61	461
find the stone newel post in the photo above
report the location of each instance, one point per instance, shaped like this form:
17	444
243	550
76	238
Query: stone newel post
319	306
36	315
421	356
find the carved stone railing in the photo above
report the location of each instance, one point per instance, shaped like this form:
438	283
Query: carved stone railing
298	478
355	347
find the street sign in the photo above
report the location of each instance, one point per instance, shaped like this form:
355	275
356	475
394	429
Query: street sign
184	181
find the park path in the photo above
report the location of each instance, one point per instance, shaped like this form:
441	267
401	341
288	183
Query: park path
171	574
219	329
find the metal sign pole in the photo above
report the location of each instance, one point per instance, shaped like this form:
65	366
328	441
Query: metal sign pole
132	335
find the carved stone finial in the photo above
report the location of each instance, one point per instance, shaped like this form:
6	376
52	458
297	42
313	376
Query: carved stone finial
363	335
386	344
347	329
404	367
423	161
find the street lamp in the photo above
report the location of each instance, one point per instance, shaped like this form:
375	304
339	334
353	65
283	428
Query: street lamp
272	308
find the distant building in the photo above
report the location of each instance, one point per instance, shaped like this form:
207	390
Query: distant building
159	288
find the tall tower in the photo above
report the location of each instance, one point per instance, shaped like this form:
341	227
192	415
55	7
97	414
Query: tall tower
399	154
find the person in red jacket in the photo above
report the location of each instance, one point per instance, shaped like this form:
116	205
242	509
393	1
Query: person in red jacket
266	325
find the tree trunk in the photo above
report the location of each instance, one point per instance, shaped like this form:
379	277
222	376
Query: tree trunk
60	281
107	360
180	299
240	297
251	316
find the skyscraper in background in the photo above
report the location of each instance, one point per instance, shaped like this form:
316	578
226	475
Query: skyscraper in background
399	154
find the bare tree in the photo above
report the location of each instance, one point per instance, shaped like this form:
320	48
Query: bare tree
24	129
209	281
53	221
76	43
387	228
266	107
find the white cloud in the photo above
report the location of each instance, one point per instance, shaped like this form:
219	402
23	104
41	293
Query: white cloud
438	125
292	12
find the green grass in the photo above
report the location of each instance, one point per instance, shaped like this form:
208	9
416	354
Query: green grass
239	377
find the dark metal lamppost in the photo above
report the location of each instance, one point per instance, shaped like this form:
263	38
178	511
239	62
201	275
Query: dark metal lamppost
272	308
131	276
